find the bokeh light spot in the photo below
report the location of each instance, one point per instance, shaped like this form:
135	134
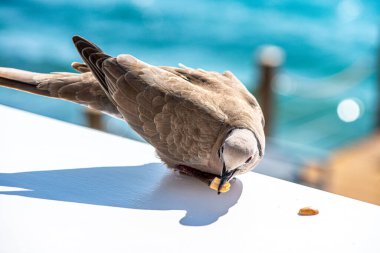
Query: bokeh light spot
349	110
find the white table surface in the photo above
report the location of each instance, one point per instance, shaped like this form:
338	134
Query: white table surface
65	188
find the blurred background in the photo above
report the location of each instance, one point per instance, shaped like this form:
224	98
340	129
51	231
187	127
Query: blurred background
312	64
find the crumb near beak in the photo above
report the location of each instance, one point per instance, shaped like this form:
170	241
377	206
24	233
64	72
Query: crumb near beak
215	185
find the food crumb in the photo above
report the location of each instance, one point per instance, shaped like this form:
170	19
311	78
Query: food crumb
215	185
307	211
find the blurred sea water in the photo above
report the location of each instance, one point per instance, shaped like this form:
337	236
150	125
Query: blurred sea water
321	40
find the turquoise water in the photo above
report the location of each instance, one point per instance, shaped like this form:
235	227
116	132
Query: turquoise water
319	38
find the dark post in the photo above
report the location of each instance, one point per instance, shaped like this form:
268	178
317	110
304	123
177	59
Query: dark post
378	89
269	59
94	119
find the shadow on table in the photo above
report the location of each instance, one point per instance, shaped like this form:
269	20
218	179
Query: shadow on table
149	186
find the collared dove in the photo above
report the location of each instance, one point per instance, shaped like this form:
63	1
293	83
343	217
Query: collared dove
202	123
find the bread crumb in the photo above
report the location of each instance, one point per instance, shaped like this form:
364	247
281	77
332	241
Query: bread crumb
307	211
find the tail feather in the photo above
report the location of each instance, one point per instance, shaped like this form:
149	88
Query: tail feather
82	88
20	80
17	74
87	88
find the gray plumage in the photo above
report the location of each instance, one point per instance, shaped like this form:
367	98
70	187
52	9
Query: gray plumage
198	121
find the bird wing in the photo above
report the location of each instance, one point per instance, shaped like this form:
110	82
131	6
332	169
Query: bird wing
226	84
239	106
177	117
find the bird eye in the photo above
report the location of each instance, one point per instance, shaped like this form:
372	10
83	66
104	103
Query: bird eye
249	159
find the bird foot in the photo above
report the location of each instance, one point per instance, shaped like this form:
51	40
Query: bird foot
202	176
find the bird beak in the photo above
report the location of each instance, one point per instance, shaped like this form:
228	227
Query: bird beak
226	176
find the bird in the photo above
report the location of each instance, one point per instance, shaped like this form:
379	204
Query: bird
201	123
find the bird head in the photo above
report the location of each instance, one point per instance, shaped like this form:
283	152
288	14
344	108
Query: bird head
239	152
